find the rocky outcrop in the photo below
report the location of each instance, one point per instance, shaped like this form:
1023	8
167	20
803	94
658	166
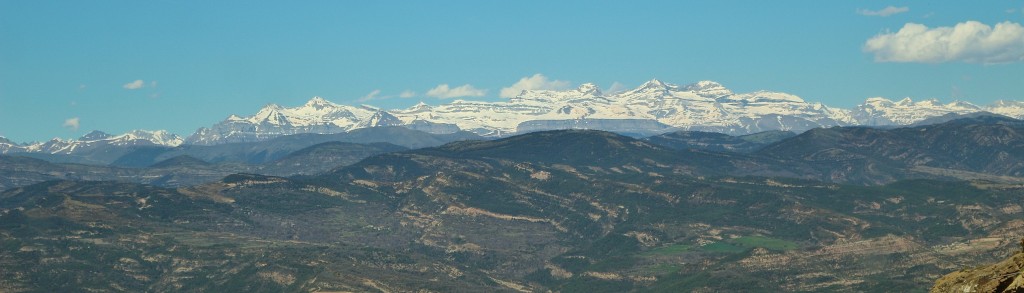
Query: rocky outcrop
1005	276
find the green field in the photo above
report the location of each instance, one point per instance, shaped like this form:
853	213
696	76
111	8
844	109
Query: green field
723	247
669	250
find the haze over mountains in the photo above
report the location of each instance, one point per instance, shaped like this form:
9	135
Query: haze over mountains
653	108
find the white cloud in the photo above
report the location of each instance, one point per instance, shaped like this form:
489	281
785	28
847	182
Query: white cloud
536	82
375	95
970	42
887	11
152	84
71	123
442	91
371	96
137	84
616	87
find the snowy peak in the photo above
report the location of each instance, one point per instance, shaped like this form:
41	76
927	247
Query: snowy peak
768	97
877	102
380	119
905	102
8	146
963	104
589	89
704	84
653	85
881	111
930	103
420	107
318	103
267	111
708	88
134	137
704	105
271	107
270	114
649	92
548	98
95	135
317	115
97	139
704	88
317	111
158	137
1013	109
653	107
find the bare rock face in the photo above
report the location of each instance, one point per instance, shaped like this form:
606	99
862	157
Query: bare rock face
1005	276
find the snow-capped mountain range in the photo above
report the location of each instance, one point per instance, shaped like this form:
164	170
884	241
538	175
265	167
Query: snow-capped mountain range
92	141
651	108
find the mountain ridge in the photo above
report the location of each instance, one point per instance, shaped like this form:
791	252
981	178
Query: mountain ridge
655	105
653	108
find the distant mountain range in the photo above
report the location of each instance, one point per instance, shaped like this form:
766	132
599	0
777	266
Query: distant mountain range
975	147
653	108
93	140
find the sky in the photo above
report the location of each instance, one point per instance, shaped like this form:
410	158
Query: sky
69	67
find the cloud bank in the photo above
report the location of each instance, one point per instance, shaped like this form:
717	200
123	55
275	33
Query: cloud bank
536	82
442	91
970	42
887	11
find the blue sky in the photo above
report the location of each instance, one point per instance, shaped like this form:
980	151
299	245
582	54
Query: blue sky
196	62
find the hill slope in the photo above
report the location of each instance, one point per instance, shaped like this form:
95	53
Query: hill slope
324	157
719	142
565	211
984	145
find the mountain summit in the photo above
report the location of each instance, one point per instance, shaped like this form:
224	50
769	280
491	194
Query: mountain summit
708	88
318	103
